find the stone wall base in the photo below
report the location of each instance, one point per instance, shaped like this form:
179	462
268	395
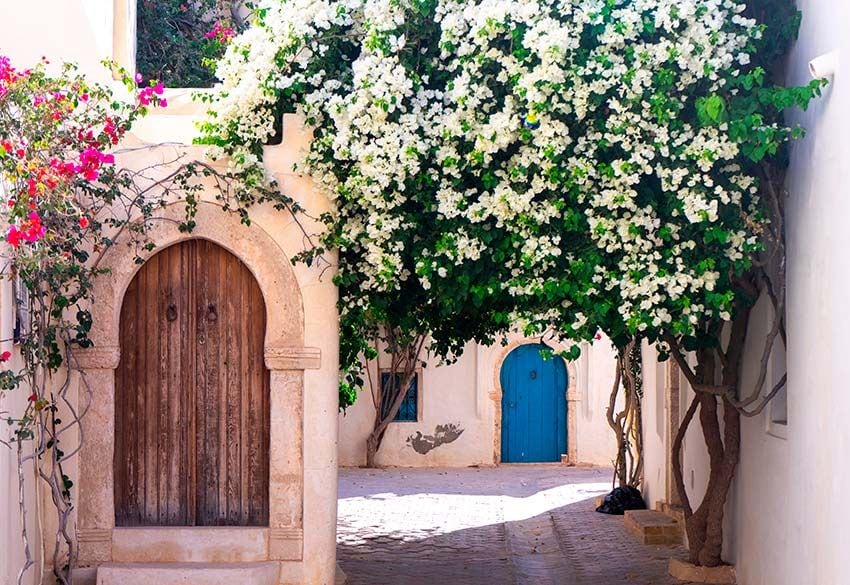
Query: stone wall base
653	527
685	571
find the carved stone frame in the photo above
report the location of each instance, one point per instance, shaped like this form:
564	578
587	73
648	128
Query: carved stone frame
573	399
284	353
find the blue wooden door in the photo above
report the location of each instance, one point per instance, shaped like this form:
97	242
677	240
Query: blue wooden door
534	406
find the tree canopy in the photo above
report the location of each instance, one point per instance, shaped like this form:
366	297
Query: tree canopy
571	165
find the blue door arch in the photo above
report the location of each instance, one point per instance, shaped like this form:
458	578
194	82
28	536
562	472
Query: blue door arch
534	406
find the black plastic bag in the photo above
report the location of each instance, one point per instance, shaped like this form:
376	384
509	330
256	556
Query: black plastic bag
620	500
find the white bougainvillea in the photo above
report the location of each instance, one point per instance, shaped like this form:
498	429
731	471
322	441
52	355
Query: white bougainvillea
576	154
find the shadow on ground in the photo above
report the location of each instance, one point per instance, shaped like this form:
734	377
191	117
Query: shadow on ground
511	525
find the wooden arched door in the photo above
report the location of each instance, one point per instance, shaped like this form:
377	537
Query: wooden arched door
192	393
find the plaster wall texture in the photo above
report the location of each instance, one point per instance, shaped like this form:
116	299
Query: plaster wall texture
11	547
789	529
467	393
78	31
654	428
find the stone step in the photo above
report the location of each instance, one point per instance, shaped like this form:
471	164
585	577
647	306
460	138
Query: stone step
653	527
195	544
677	512
262	573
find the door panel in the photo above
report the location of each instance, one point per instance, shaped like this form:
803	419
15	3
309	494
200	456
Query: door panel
534	406
192	393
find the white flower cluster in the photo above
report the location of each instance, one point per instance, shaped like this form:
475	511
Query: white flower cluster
498	121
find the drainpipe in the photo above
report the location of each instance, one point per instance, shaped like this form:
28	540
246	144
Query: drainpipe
824	66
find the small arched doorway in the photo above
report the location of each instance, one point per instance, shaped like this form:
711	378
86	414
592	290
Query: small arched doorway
192	393
534	406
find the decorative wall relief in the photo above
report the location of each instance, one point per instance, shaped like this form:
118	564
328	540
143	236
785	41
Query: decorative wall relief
443	434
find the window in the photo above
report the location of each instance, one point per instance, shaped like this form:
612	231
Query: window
22	311
777	410
409	411
178	41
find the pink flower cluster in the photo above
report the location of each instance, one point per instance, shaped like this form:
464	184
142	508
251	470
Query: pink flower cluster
222	34
40	174
151	94
8	75
91	160
30	231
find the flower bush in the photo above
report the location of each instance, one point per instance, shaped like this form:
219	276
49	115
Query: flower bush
579	165
561	161
177	40
65	202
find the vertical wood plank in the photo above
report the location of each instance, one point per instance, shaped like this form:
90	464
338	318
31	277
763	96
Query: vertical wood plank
230	318
192	429
163	391
244	401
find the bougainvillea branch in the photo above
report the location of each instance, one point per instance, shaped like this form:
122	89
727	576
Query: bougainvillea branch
67	200
60	185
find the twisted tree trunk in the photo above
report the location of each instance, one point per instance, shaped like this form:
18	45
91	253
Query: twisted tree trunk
712	403
628	423
405	357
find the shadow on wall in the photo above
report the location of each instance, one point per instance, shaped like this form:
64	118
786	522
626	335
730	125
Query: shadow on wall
443	434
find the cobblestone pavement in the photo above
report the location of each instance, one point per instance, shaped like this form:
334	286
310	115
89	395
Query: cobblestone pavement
510	525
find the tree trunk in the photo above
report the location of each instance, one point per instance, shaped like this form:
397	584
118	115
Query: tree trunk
627	424
704	526
403	366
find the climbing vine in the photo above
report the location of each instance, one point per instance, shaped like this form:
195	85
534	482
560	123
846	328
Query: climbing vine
627	423
67	200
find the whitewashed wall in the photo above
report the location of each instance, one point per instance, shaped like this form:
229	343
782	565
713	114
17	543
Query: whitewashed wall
79	31
654	428
11	545
463	393
791	523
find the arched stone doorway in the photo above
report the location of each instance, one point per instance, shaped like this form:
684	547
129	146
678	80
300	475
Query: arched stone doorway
574	390
534	406
298	536
192	393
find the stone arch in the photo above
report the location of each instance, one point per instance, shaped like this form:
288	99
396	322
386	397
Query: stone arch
251	244
285	356
572	396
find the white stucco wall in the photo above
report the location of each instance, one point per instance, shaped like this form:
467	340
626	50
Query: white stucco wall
464	393
654	428
11	546
786	524
79	31
791	525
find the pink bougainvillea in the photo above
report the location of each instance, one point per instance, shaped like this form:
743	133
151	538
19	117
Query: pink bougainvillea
44	180
222	34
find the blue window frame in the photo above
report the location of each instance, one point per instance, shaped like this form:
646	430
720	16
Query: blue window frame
409	411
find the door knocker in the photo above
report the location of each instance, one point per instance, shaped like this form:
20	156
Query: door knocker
211	313
533	374
171	312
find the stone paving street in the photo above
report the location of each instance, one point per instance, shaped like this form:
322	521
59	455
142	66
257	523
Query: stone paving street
510	525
